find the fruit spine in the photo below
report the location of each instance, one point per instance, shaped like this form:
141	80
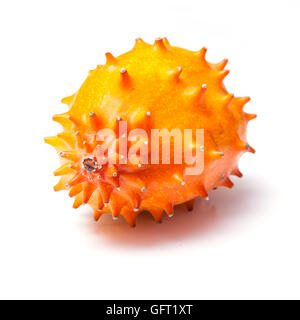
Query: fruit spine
152	86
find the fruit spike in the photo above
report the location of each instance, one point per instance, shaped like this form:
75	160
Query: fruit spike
151	87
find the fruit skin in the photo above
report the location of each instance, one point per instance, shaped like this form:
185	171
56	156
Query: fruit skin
152	86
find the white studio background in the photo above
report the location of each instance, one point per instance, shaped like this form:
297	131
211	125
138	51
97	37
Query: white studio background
242	244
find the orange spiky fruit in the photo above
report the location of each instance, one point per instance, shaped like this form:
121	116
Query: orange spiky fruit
152	86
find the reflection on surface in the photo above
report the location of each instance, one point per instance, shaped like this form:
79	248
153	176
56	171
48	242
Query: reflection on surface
207	216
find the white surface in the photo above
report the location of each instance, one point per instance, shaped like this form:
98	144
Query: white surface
244	243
